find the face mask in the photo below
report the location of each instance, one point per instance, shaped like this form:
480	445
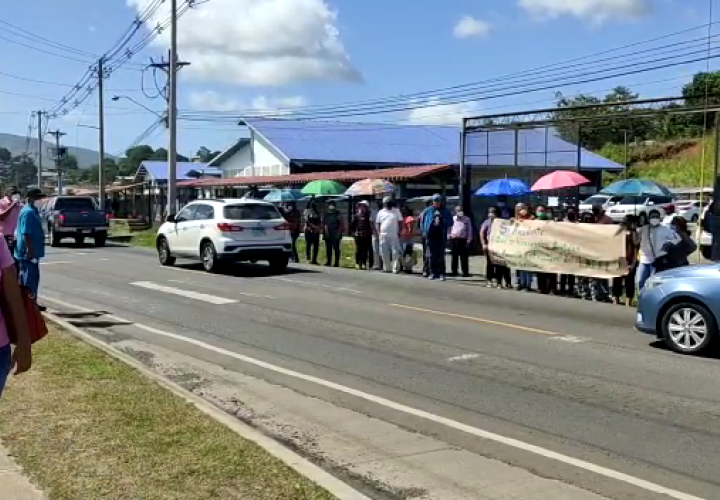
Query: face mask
459	214
15	197
542	216
491	216
654	222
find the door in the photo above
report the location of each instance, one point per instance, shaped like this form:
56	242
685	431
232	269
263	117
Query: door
202	219
177	232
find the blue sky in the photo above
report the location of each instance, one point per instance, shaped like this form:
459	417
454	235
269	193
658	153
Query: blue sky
264	55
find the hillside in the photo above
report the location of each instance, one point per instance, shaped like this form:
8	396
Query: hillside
674	163
17	144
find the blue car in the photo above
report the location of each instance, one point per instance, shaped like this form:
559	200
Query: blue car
682	307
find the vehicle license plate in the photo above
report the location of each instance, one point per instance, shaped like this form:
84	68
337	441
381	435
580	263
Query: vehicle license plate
258	231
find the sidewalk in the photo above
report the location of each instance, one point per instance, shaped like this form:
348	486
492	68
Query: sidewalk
13	483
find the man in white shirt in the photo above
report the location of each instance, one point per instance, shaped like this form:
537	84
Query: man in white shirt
654	238
377	260
388	229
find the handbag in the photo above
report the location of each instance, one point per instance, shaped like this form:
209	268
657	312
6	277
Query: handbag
661	263
37	328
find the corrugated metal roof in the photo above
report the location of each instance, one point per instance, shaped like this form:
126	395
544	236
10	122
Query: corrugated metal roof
158	169
391	174
535	148
374	143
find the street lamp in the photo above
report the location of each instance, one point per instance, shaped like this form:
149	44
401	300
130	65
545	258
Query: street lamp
162	117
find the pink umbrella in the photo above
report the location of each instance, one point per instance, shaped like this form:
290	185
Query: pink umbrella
558	180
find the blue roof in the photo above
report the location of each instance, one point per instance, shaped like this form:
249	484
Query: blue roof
302	140
157	169
379	143
497	148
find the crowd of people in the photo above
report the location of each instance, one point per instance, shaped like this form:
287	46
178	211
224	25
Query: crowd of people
385	237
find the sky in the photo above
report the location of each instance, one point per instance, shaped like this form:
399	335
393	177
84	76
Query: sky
326	58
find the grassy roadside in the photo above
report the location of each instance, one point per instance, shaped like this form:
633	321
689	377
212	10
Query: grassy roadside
86	426
144	238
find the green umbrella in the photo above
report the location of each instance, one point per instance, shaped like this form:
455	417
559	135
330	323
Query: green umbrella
319	188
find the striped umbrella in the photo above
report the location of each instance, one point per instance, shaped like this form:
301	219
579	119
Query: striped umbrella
370	187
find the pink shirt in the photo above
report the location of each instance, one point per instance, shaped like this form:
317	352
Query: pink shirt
6	261
461	228
9	223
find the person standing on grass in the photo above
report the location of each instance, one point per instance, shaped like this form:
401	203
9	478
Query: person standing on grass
30	246
361	229
21	357
461	236
388	229
632	245
311	219
292	215
333	231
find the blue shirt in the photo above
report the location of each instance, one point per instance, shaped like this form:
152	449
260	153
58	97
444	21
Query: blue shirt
29	224
429	215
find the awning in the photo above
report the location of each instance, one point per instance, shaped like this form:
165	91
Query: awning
390	174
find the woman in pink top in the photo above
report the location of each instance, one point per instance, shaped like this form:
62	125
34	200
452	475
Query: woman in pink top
21	358
407	239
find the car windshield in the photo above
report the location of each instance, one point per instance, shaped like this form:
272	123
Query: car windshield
251	212
596	199
74	204
633	200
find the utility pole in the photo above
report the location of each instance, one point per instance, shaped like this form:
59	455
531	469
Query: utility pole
101	136
39	156
57	134
171	68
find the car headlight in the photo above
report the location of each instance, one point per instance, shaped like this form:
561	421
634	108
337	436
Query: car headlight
654	282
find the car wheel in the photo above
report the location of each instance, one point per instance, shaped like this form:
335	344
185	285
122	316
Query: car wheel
279	264
100	239
689	328
642	219
209	258
164	255
54	237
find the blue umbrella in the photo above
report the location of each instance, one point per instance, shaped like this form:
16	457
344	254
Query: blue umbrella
632	187
283	195
503	187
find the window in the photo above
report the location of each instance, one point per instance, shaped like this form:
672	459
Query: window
186	214
633	200
251	212
83	204
204	212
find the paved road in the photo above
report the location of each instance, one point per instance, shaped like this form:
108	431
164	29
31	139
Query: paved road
514	376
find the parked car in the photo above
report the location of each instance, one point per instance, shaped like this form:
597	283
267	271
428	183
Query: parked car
641	206
689	210
75	217
682	306
221	231
605	200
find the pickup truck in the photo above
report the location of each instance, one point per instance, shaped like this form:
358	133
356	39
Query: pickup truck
74	216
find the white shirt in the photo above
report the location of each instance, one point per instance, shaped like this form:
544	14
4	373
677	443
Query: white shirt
389	221
652	239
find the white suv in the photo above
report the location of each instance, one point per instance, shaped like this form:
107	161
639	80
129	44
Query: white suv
222	231
641	206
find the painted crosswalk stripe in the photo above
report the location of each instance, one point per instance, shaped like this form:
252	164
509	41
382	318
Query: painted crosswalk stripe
204	297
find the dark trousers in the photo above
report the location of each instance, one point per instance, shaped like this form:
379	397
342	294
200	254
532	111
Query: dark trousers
501	274
436	257
312	247
363	251
332	249
425	257
625	284
567	284
459	249
547	283
294	253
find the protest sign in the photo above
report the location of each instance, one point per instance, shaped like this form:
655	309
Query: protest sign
592	250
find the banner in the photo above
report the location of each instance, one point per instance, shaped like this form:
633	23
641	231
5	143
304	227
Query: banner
591	250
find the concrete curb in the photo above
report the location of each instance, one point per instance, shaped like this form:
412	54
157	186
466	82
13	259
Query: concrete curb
301	465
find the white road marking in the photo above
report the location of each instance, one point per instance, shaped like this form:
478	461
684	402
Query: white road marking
321	285
105	258
50	262
569	338
246	294
204	297
453	424
464	357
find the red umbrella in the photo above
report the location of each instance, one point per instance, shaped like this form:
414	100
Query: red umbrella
558	180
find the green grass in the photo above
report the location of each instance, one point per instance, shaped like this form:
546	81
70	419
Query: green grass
85	426
347	253
144	238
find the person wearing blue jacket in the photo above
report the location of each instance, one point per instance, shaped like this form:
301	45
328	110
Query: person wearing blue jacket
436	223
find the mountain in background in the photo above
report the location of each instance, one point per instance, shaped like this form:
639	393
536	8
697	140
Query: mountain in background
17	145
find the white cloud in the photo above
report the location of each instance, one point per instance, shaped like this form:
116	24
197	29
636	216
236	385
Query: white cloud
210	100
433	112
469	26
597	11
258	42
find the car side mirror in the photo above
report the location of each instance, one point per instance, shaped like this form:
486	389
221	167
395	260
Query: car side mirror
171	218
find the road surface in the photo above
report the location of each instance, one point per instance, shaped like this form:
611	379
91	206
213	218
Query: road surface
562	388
